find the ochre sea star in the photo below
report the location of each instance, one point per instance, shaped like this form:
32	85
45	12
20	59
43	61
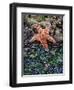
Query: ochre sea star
42	36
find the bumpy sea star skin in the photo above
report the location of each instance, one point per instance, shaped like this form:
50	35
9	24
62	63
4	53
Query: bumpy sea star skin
42	36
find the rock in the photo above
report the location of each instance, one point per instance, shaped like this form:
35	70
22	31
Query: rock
58	37
46	24
52	52
57	31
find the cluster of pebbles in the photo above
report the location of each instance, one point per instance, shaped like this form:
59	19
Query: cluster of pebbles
36	59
